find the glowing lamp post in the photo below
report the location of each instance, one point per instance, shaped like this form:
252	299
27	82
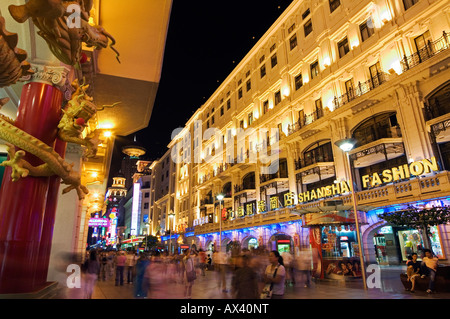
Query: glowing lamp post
347	145
220	198
171	216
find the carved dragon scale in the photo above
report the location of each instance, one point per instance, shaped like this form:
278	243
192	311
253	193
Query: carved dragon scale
50	16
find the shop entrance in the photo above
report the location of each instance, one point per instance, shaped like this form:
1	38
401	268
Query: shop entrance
282	243
250	243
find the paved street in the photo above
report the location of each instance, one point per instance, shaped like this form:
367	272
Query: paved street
206	287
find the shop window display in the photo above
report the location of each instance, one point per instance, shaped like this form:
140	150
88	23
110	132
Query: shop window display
411	241
340	252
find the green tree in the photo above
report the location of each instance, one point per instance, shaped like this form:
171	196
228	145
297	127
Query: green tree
151	242
419	218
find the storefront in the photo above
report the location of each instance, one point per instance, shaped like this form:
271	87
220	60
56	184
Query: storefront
393	244
334	242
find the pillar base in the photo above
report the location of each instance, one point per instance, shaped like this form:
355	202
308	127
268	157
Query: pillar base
48	291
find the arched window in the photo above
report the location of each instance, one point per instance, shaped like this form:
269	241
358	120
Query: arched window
248	182
380	126
438	103
226	189
318	152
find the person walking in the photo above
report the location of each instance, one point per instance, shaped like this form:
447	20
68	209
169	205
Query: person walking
189	273
103	266
429	266
275	275
202	261
288	261
92	270
121	261
245	280
141	284
131	263
303	264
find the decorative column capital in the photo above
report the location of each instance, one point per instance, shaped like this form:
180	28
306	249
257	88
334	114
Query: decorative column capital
52	75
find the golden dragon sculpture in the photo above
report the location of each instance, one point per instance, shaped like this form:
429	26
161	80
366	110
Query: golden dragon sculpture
80	109
53	19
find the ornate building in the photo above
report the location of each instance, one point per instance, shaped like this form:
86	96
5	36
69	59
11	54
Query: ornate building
376	71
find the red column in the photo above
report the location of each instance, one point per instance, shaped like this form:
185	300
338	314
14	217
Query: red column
22	203
49	222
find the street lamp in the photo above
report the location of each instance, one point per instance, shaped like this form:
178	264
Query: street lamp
347	145
148	234
220	198
171	216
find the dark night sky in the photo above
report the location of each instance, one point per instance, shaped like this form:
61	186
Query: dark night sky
205	42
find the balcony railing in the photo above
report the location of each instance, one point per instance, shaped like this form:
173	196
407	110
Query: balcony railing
308	119
376	132
267	177
353	93
245	186
305	162
207	201
361	89
431	49
385	149
437	107
440	127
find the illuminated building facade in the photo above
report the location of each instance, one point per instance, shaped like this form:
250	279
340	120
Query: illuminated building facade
376	71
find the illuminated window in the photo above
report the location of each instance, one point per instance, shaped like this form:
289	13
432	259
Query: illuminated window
274	60
306	13
293	42
277	97
263	71
409	3
367	29
298	81
314	69
334	4
265	106
343	47
272	48
250	118
308	27
291	28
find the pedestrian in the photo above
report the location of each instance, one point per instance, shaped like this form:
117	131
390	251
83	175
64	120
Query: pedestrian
209	262
189	273
141	284
275	275
303	264
154	277
220	261
245	280
110	264
202	261
92	270
103	266
131	263
413	270
288	260
429	267
121	261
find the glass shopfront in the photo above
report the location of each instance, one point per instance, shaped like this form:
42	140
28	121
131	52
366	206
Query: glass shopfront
411	241
340	252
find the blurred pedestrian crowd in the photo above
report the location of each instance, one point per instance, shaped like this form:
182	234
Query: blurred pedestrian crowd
255	273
